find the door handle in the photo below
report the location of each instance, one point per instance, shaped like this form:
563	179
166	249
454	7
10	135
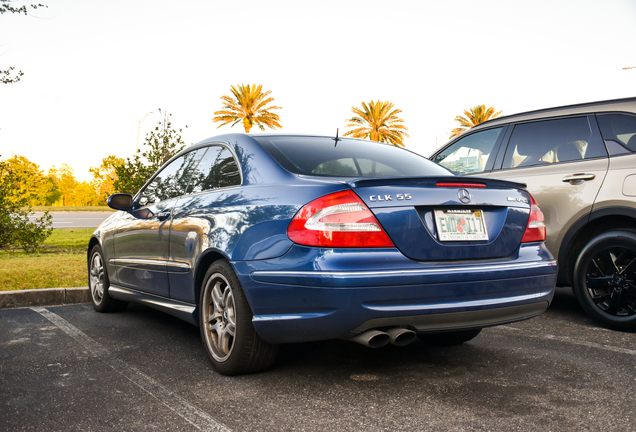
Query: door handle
163	215
578	178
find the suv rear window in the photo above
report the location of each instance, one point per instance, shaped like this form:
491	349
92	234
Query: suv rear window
322	156
619	132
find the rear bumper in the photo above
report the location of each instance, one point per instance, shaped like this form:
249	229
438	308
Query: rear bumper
350	291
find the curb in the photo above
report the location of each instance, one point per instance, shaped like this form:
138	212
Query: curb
44	297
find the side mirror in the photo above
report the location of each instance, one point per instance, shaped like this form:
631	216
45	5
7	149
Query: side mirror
120	201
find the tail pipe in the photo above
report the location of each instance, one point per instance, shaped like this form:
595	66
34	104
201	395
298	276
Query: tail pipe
372	338
401	336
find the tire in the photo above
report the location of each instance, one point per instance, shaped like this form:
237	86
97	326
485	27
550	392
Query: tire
604	279
225	319
449	338
98	284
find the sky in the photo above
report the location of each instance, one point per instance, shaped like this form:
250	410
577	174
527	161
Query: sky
94	69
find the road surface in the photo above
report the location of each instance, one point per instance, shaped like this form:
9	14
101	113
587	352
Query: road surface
75	219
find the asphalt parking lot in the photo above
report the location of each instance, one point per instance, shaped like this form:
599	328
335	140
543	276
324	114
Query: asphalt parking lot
69	368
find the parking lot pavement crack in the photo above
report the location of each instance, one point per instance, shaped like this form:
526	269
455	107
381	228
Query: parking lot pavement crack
193	415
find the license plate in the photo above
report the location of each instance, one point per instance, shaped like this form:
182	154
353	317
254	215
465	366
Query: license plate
460	225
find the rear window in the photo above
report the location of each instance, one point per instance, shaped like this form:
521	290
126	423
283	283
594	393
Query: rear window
619	132
319	156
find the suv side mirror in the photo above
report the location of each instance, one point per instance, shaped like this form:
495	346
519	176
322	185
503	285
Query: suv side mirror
120	201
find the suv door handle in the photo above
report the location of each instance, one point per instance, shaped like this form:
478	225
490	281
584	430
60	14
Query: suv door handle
163	215
578	178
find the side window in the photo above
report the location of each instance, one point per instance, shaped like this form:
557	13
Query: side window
469	154
217	169
173	179
619	132
551	141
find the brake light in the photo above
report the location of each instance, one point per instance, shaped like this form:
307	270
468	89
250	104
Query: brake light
339	219
535	231
460	185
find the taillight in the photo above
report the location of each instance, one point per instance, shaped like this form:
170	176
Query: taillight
339	219
535	231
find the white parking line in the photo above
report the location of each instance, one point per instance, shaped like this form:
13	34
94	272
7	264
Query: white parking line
574	341
193	415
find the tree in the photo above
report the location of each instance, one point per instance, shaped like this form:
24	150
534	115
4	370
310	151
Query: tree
249	105
6	76
163	142
105	175
66	183
31	183
16	229
474	116
377	121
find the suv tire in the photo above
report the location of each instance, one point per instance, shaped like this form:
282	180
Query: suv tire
604	279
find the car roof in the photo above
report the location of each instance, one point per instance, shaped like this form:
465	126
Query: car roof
614	105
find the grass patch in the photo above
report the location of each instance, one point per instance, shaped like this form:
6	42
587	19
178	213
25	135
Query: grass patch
44	271
60	262
65	240
72	208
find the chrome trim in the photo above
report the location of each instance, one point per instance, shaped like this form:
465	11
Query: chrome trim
460	270
134	261
460	304
178	264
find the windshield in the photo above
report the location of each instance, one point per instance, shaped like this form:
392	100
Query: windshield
320	156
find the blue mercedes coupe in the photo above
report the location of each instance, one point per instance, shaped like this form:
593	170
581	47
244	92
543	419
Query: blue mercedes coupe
262	240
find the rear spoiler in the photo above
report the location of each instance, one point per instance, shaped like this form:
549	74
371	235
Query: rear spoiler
432	181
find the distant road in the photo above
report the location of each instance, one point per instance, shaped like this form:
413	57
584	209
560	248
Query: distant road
75	219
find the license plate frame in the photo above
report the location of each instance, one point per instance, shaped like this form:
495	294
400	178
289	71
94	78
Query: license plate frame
460	225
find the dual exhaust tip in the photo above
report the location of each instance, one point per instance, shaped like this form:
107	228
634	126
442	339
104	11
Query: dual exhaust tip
376	338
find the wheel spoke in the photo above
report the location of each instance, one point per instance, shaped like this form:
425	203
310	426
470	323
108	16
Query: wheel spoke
228	300
595	263
601	299
217	297
217	328
609	259
615	303
599	282
225	341
629	269
215	317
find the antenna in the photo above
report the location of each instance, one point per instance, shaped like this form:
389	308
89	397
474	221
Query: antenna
336	139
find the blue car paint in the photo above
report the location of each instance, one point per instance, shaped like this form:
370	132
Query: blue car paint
325	292
300	293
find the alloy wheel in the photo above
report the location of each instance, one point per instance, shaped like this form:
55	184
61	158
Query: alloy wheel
611	281
97	278
220	317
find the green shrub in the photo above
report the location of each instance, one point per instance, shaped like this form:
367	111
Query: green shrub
16	229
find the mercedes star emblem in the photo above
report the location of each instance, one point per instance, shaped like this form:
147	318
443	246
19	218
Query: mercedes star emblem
464	196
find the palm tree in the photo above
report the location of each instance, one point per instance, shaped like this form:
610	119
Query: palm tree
249	106
378	121
474	116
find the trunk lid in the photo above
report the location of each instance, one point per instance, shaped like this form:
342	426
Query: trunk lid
448	218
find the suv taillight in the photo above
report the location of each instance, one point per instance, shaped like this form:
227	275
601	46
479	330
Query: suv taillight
339	219
535	231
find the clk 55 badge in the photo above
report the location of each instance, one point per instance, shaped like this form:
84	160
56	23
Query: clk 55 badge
398	197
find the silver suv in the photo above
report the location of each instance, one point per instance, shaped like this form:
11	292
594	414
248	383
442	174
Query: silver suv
579	163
